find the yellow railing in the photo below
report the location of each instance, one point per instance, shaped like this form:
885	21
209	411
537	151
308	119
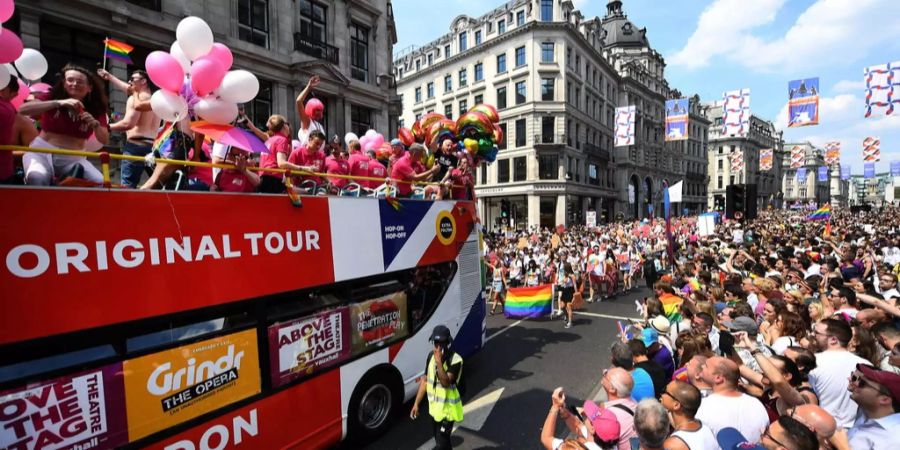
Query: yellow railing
105	157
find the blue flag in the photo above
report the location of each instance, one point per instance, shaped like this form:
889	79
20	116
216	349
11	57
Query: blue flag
869	170
823	173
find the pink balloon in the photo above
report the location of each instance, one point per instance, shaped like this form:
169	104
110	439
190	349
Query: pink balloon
222	54
206	75
6	10
40	88
165	71
365	142
21	96
10	46
378	140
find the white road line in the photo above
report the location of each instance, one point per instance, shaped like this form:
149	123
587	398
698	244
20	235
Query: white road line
606	316
475	414
502	330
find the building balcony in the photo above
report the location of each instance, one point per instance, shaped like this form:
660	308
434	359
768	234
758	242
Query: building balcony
313	47
595	150
695	176
549	139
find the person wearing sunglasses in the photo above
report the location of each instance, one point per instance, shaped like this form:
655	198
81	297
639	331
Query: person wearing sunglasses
877	392
139	124
682	401
786	433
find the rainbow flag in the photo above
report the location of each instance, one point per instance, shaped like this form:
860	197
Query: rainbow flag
163	143
117	50
532	301
823	213
672	307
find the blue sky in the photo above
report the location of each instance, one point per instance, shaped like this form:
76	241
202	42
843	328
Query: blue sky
712	46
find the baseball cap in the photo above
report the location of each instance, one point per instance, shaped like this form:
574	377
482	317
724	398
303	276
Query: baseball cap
606	426
396	141
650	336
743	323
732	439
440	334
889	380
660	324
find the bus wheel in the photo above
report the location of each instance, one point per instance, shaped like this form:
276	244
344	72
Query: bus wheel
374	402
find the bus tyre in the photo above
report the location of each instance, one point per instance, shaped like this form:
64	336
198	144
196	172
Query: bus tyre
373	405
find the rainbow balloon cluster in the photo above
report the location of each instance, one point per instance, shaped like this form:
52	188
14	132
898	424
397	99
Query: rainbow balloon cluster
477	132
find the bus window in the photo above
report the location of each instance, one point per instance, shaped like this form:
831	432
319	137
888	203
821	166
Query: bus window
185	332
51	363
425	290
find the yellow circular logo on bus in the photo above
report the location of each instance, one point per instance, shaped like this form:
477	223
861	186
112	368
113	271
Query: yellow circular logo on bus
445	227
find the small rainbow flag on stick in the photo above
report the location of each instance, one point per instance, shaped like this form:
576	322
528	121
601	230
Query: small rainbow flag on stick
823	213
116	50
528	301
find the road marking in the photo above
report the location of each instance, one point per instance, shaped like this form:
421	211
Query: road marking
502	330
476	412
606	316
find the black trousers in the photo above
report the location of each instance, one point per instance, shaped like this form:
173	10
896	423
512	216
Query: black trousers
442	432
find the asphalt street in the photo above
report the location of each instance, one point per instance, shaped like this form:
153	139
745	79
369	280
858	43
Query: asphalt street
510	381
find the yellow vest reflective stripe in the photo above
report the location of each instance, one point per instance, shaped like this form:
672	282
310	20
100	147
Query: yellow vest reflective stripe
443	403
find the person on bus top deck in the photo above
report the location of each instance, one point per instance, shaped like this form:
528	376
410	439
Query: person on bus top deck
337	164
376	170
74	108
397	152
310	158
310	112
279	145
239	179
358	161
460	181
7	128
443	369
409	168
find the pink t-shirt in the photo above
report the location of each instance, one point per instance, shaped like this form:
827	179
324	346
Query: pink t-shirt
359	167
7	134
458	178
302	157
337	166
376	170
403	170
232	180
202	174
63	121
279	143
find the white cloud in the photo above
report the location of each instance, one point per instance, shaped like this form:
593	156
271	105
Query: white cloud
849	85
828	32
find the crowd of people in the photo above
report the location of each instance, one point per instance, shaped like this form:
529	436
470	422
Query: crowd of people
74	114
775	333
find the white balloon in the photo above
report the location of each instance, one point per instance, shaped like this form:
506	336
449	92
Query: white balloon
239	86
11	69
168	106
32	64
178	54
350	137
194	37
4	76
371	133
216	110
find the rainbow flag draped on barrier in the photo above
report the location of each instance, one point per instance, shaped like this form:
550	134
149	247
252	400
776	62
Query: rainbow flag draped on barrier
528	301
823	213
117	50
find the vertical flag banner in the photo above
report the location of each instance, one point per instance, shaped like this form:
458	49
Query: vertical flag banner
880	83
677	119
871	149
736	112
797	156
528	301
869	170
625	126
801	175
766	159
803	102
737	160
895	168
832	153
845	173
823	173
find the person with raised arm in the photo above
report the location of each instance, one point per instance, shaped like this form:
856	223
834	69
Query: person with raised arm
310	112
139	124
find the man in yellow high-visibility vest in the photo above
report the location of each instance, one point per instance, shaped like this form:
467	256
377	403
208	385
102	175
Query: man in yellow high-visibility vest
443	369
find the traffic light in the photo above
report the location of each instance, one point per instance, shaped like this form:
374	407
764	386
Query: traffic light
504	208
734	201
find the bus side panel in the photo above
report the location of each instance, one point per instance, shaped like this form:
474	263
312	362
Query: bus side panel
305	416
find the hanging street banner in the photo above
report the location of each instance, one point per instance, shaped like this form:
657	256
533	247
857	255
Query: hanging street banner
823	173
737	160
766	159
801	175
832	153
736	113
797	156
845	173
881	94
677	119
871	149
803	102
625	126
869	170
895	168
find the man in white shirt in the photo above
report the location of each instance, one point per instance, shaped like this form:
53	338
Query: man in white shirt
887	286
310	114
727	406
834	364
877	393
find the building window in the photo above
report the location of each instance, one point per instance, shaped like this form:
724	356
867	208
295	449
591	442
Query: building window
447	51
61	45
548	128
312	21
448	83
462	78
430	59
501	63
463	44
721	164
547	10
578	64
253	22
260	108
501	26
502	145
360	119
479	99
483	170
431	90
155	5
520	56
547	52
547	89
520	18
478	37
418	64
501	97
418	95
503	171
359	53
463	106
548	167
593	177
479	72
520	133
520	168
448	111
520	92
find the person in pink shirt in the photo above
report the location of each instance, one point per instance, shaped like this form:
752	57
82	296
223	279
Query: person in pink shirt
397	152
239	179
200	178
359	163
7	126
309	158
279	145
460	181
376	170
409	168
336	163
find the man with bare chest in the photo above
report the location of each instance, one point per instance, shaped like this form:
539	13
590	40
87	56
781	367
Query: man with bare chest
139	123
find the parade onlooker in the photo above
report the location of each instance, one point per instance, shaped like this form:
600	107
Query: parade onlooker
834	365
651	422
877	392
682	401
727	406
618	384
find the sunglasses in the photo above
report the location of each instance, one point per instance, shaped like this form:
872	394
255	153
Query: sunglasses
666	392
768	434
858	380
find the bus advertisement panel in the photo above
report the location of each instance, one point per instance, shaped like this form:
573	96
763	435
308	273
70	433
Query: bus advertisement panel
379	321
304	346
168	388
84	410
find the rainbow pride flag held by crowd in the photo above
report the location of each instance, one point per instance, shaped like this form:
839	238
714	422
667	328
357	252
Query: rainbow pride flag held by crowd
117	50
823	213
529	302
